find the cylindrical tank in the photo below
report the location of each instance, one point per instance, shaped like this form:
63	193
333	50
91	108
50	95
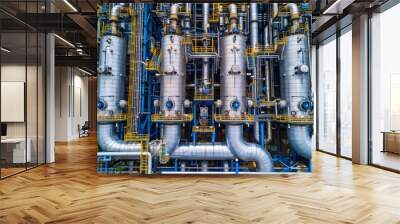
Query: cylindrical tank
233	74
295	76
173	70
296	90
111	79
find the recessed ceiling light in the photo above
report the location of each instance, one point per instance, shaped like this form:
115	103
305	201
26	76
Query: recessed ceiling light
70	5
5	50
65	41
84	71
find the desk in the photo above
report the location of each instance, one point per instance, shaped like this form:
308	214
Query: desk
16	147
391	141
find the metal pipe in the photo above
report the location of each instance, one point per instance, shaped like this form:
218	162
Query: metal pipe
171	137
242	18
205	78
268	81
254	43
206	7
254	25
294	15
114	17
248	151
183	166
203	151
226	166
300	140
233	17
275	10
204	166
173	17
109	142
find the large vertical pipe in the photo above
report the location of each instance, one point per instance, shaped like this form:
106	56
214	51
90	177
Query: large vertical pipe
205	77
173	17
294	15
206	8
254	25
267	81
233	18
254	43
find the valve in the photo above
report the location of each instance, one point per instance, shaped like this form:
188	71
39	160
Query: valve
101	104
169	104
305	105
235	105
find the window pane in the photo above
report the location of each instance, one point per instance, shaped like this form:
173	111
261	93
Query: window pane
327	96
385	88
346	94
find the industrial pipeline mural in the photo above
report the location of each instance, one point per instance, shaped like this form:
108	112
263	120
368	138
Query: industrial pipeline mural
205	88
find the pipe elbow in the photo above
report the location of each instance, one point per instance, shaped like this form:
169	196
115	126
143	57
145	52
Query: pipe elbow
171	137
300	140
248	151
116	12
275	10
174	11
109	142
294	10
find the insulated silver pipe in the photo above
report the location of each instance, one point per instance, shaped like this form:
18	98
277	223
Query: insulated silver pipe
254	43
267	39
204	166
205	78
275	10
206	7
171	137
233	18
173	16
116	10
254	25
248	151
203	151
294	14
109	142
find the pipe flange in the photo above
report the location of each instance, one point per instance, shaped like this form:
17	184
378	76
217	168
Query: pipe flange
101	104
169	105
235	105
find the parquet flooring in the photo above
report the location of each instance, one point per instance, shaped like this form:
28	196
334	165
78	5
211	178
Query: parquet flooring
70	191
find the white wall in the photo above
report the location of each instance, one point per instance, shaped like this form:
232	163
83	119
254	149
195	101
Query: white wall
71	102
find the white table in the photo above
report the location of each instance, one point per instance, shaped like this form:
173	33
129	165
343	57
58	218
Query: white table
19	153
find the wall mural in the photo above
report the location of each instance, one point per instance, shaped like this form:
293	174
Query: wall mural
204	88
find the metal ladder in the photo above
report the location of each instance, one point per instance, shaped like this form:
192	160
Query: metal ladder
144	156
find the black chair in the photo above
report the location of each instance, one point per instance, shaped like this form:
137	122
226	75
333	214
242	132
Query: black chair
84	130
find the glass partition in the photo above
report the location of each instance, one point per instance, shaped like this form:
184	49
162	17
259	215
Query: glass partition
346	93
22	89
327	96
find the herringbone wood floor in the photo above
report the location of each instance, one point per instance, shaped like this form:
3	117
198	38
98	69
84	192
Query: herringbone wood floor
70	191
